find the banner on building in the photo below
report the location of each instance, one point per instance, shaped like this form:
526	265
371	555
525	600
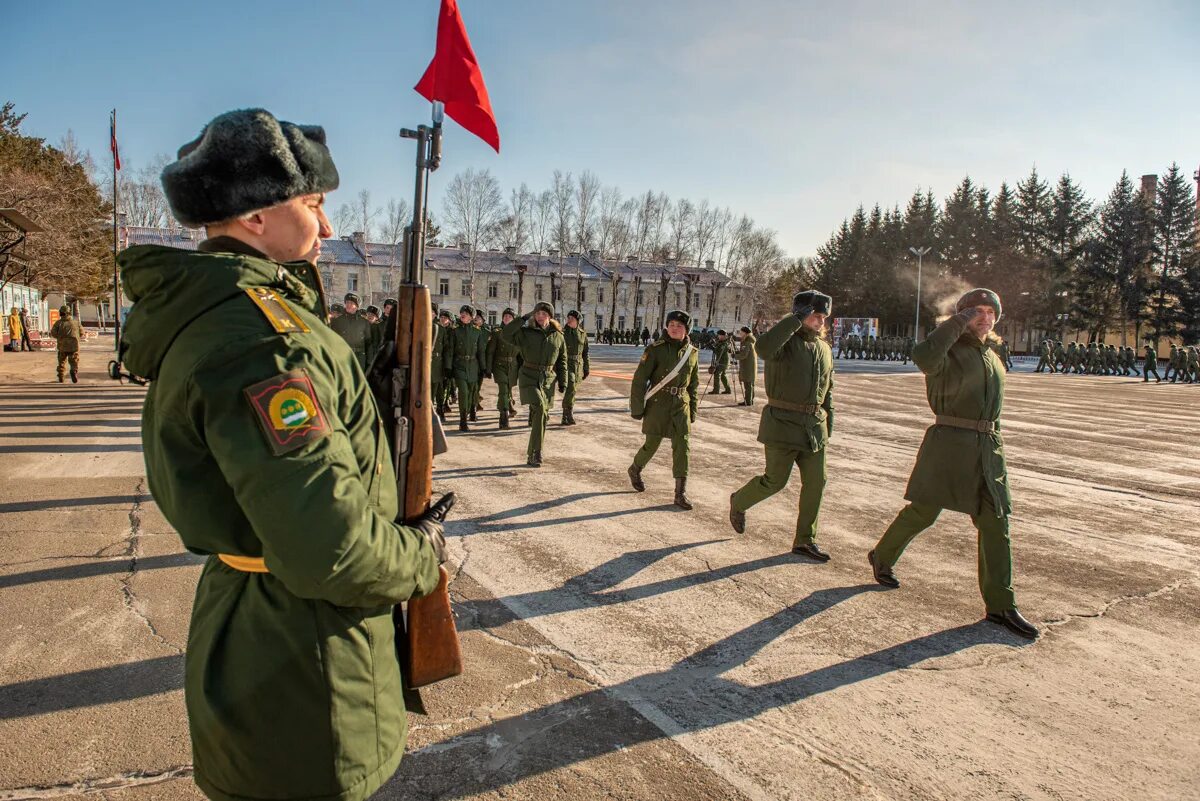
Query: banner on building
862	326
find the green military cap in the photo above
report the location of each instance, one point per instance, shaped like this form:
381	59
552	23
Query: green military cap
446	313
350	296
679	316
337	307
573	313
509	312
980	297
64	310
467	308
544	306
373	310
745	329
243	161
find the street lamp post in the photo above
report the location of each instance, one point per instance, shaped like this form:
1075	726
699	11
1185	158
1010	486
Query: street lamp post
920	253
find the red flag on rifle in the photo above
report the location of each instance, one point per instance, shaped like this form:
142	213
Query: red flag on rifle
112	139
454	78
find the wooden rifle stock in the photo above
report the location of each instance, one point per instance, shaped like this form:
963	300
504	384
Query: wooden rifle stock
428	640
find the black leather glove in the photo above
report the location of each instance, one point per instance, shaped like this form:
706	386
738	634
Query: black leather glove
585	374
968	314
562	386
692	418
636	416
802	308
431	524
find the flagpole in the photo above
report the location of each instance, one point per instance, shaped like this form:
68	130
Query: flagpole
116	275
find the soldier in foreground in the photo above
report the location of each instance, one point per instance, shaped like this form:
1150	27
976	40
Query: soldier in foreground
466	351
961	462
502	367
798	419
578	364
663	396
291	680
747	365
543	364
67	335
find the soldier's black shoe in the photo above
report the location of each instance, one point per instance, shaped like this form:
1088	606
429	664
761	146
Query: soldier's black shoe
736	519
535	459
635	478
883	575
472	417
1011	619
503	419
681	498
812	551
60	379
74	377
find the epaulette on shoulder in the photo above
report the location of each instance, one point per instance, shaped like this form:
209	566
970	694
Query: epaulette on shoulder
279	314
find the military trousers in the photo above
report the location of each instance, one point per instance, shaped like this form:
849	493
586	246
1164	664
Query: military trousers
468	395
721	379
748	388
504	399
995	549
63	358
568	400
775	477
680	451
539	413
1148	370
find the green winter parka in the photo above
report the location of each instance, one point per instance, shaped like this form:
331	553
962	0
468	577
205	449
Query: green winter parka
956	467
798	372
466	353
543	353
720	357
501	359
747	359
578	362
359	335
670	411
67	333
262	443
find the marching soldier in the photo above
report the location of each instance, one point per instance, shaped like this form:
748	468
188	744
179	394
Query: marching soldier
719	366
543	355
961	462
354	328
292	686
439	363
1172	371
747	365
67	333
663	397
797	420
467	354
502	367
1151	366
336	311
578	363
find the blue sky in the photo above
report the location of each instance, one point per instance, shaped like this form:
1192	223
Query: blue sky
791	112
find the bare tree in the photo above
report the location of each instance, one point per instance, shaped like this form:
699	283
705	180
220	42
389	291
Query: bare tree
472	208
722	237
680	227
396	218
514	228
704	224
562	191
587	191
609	218
141	198
540	213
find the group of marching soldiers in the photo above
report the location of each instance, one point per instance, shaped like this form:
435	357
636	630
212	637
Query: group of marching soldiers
873	348
1183	363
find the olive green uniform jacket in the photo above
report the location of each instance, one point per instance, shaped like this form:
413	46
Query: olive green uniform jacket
439	367
665	414
578	363
798	372
68	333
747	360
359	335
466	353
501	359
260	443
543	353
956	466
720	357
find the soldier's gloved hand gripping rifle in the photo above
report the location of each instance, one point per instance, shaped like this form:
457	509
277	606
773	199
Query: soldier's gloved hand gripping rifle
426	638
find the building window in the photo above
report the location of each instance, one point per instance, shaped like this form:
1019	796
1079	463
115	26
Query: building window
696	300
539	292
493	289
491	317
641	296
465	288
599	294
583	294
621	322
327	280
351	282
677	302
599	322
512	291
443	286
387	282
737	314
557	292
637	323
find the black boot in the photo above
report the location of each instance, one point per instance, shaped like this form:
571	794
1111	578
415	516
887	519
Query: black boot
810	550
462	421
681	498
503	419
74	377
535	459
736	519
1011	619
635	478
883	575
472	417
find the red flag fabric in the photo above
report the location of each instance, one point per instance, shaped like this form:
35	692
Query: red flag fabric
112	140
454	78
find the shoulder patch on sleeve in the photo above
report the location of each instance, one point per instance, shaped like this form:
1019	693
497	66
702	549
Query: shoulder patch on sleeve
278	313
287	410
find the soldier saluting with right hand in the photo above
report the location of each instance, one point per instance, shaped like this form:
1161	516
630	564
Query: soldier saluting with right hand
961	462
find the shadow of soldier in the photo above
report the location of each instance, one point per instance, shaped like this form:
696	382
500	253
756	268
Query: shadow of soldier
692	695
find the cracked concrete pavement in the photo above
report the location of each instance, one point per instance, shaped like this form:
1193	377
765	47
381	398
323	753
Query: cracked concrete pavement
619	648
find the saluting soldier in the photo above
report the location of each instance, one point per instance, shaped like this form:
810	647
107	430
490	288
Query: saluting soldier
578	364
538	340
467	353
354	328
797	421
663	396
719	366
263	449
502	367
439	363
961	462
747	365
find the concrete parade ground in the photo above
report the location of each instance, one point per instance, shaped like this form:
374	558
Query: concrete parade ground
620	648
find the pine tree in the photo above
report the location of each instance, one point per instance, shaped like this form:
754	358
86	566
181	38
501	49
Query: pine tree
1007	269
1033	226
1174	252
1071	220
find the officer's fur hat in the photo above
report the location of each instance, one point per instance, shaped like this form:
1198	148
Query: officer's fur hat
573	313
337	307
544	306
721	332
243	161
745	329
679	316
393	302
820	302
446	313
468	308
980	297
351	297
509	312
373	309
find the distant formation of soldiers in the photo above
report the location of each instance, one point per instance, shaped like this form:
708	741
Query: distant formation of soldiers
1095	358
873	348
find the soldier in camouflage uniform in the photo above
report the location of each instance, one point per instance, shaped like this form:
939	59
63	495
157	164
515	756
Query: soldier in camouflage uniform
537	339
578	364
67	335
797	420
502	367
663	396
467	354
